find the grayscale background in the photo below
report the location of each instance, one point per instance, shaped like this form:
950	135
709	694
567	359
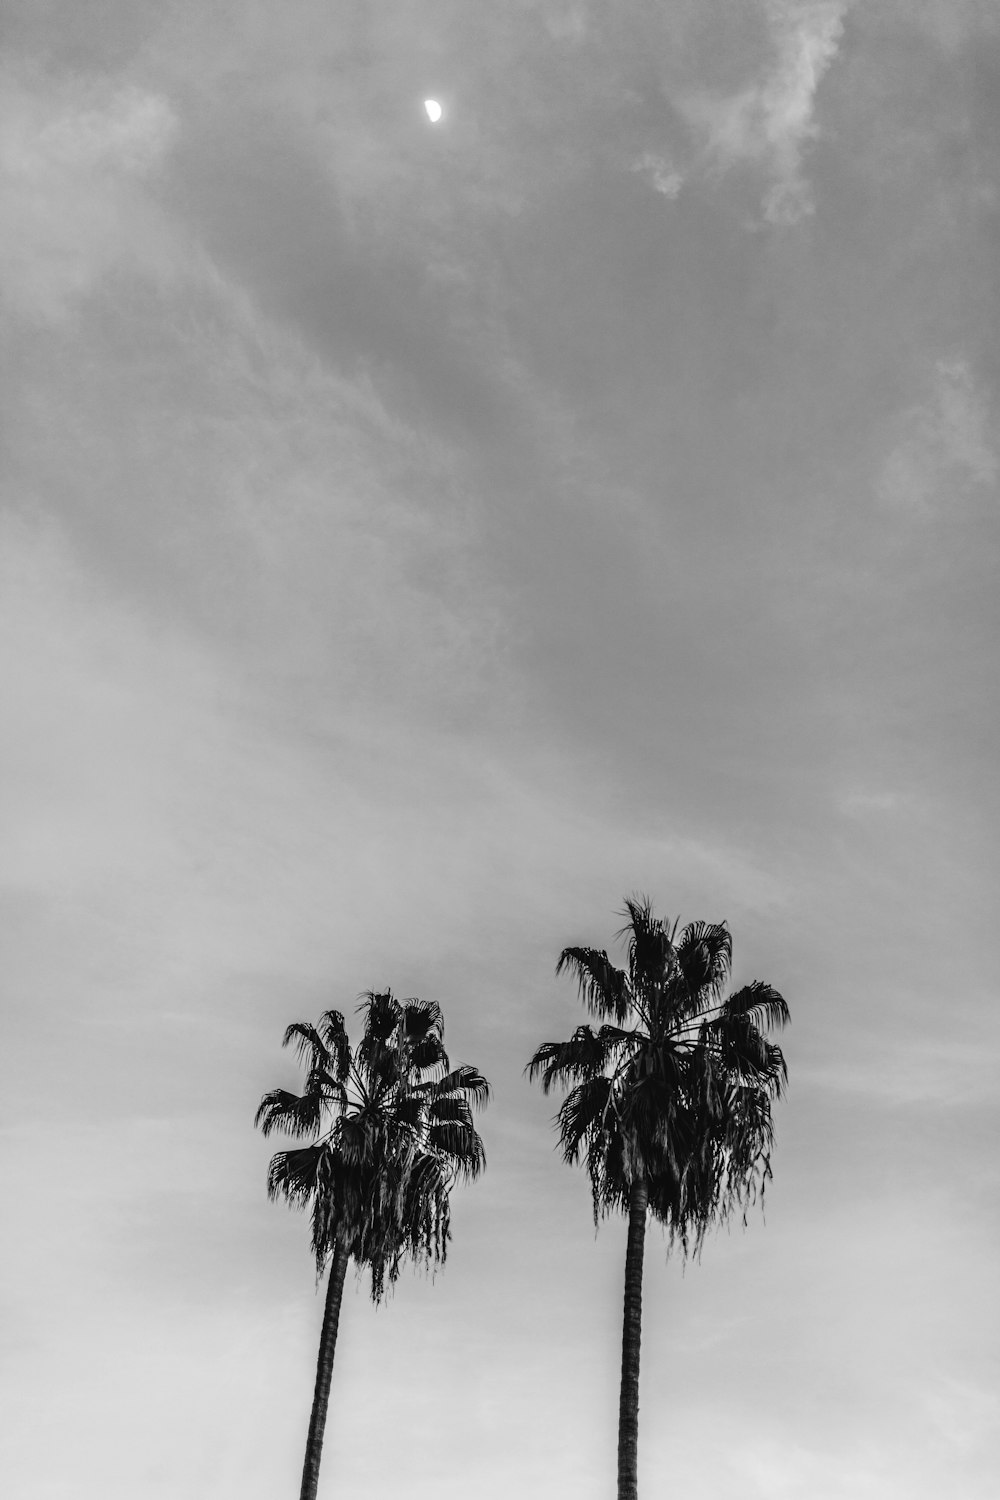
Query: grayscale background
415	538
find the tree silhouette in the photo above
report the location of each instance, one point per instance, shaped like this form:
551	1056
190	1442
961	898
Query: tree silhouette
669	1102
390	1130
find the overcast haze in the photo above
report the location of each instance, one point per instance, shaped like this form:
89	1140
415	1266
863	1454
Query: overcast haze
415	538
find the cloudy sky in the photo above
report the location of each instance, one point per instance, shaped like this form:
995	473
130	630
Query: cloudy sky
414	539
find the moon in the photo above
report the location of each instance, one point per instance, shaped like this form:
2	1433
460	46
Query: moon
433	110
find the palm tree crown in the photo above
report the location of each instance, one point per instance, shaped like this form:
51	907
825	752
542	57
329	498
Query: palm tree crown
675	1087
669	1101
391	1130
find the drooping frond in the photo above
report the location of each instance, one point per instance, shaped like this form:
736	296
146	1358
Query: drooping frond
649	943
745	1053
382	1013
777	1070
742	1050
603	989
584	1111
590	1131
422	1018
409	1110
585	1055
451	1107
458	1144
427	1053
467	1079
760	1003
616	1040
334	1034
293	1114
295	1175
327	1088
309	1045
704	956
425	1221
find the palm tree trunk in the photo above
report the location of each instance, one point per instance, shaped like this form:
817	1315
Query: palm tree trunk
628	1406
324	1373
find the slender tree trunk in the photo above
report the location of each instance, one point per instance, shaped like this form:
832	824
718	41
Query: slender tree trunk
628	1406
324	1373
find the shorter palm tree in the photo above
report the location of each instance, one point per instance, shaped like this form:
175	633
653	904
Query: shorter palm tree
669	1102
390	1130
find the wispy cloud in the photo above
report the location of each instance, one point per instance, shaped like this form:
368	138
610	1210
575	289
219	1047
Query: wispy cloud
662	174
951	24
72	162
952	1074
861	803
966	1413
946	449
770	122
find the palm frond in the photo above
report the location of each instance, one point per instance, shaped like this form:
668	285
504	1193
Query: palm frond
583	1056
309	1045
293	1114
745	1053
427	1052
296	1175
616	1040
334	1034
425	1223
649	943
409	1110
585	1110
748	1150
603	988
776	1071
460	1144
382	1014
323	1083
760	1003
704	957
467	1080
422	1018
451	1107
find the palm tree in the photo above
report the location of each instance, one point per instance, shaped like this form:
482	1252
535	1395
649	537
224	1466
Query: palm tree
390	1130
669	1102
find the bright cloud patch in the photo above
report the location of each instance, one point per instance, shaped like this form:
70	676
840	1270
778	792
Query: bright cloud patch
129	134
770	121
659	173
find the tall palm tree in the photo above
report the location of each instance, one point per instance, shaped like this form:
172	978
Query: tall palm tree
390	1130
669	1102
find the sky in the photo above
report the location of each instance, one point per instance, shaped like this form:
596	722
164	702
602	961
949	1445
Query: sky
414	539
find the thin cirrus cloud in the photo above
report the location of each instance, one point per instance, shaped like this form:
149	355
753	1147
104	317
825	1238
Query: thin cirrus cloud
72	162
945	453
